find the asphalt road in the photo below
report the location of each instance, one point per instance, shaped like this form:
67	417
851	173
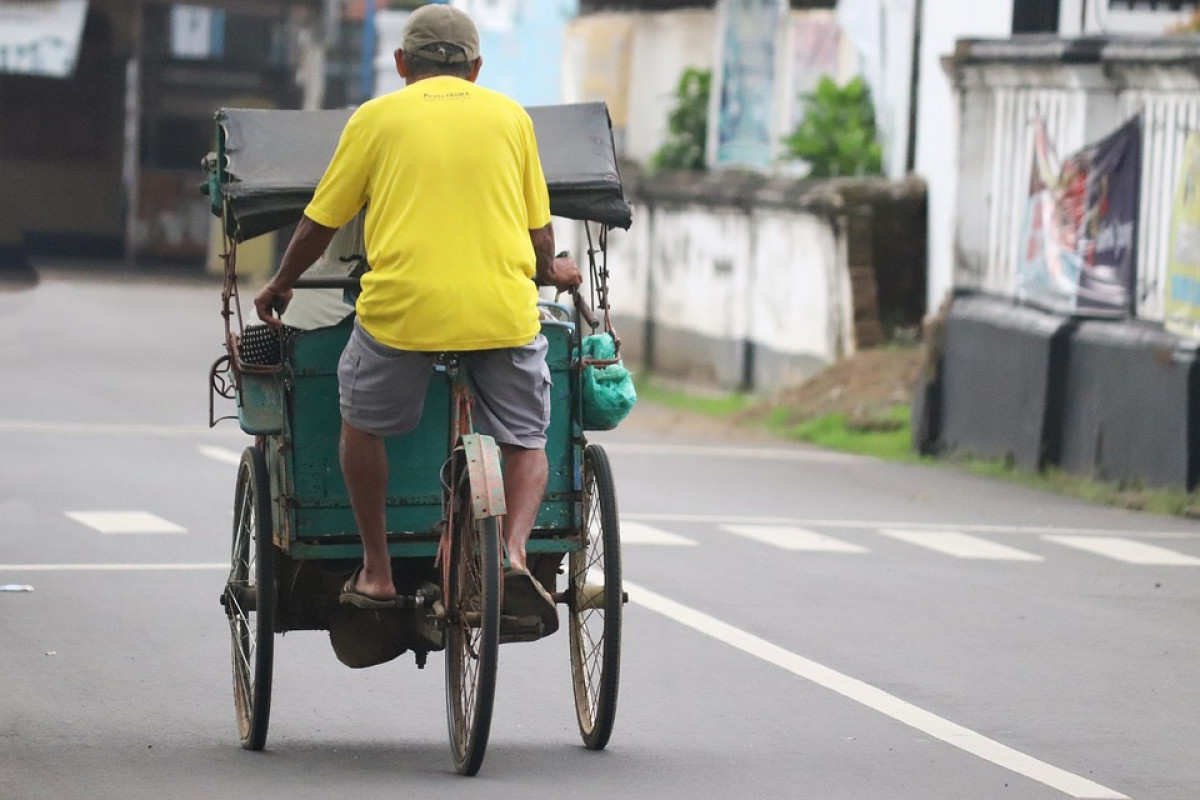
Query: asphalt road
802	624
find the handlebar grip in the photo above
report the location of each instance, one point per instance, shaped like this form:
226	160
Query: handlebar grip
585	311
326	283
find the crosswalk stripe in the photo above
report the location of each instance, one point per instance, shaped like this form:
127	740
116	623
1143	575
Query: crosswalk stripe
111	567
960	545
641	533
1127	550
789	537
125	522
222	454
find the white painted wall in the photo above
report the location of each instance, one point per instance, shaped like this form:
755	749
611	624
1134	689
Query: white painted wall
799	289
712	278
943	23
1079	103
882	33
633	62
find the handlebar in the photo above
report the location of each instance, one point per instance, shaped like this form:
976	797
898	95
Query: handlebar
585	311
581	303
326	283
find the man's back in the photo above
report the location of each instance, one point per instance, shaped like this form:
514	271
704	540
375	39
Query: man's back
453	183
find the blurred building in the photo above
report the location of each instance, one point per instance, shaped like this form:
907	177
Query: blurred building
103	161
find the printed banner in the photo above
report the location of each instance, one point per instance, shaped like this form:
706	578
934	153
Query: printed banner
1182	305
745	82
41	37
1079	238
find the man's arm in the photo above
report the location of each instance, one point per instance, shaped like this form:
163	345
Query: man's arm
307	244
561	272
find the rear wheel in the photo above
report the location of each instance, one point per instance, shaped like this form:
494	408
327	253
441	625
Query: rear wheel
595	603
472	633
249	599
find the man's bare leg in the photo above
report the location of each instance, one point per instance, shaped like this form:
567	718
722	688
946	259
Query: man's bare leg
365	471
525	473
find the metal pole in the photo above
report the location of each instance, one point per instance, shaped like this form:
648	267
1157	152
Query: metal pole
367	79
131	168
914	90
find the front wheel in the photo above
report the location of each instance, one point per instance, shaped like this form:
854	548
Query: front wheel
595	603
249	599
472	633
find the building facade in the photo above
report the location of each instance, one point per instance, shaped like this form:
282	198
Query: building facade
105	161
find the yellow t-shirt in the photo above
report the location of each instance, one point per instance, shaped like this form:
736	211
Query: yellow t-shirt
452	181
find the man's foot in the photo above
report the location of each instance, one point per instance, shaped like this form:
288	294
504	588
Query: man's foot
524	596
353	596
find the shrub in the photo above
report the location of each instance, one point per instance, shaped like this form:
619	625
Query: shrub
837	135
687	124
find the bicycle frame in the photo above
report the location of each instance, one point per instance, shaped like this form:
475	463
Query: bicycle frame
477	453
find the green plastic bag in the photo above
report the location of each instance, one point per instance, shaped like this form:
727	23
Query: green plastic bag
608	393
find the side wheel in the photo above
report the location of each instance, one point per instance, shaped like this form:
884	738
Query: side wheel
249	599
595	602
472	633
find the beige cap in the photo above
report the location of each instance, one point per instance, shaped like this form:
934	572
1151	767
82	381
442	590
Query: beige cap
432	26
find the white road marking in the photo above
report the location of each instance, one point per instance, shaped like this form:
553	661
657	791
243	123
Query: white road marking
774	454
960	545
222	454
109	567
1032	530
1127	550
116	428
876	699
125	522
790	537
640	533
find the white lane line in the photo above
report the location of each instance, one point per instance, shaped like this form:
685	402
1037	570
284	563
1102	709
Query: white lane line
776	454
876	699
960	545
790	537
125	522
640	533
115	428
1127	550
1033	530
222	454
109	567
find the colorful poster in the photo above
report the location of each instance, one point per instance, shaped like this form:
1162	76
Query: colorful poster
41	37
1079	238
745	130
1181	307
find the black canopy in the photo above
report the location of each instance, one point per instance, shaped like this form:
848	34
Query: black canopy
269	163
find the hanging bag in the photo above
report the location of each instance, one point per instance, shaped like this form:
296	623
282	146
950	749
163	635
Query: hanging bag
608	393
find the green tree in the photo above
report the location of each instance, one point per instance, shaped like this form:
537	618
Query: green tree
687	124
837	135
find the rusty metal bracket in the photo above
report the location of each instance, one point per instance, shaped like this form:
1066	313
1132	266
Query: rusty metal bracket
483	469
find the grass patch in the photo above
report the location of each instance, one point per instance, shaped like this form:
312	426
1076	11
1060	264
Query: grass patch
888	436
710	405
1172	502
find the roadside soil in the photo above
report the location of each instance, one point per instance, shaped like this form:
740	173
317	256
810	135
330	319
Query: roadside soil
864	387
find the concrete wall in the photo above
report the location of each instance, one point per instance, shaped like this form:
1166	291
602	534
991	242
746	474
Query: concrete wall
1117	401
738	281
942	24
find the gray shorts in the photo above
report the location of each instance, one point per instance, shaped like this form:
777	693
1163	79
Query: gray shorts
382	390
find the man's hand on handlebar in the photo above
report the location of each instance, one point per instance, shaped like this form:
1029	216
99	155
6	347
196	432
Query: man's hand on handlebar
563	274
270	303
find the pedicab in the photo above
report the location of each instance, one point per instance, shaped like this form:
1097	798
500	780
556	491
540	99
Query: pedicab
294	537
